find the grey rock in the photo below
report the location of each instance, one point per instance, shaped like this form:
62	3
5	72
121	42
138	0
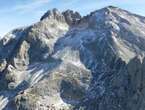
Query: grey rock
2	64
53	14
70	62
71	17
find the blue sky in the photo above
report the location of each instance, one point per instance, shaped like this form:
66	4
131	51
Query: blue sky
17	13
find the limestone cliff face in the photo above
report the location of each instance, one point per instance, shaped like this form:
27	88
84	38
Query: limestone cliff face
70	62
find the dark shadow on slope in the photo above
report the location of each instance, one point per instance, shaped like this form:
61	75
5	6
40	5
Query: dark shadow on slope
71	93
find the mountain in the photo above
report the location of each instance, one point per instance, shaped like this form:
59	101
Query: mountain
69	62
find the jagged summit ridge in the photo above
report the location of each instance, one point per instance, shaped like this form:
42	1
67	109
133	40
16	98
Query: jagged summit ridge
70	62
69	16
53	14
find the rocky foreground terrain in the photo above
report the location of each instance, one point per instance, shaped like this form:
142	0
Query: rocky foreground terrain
69	62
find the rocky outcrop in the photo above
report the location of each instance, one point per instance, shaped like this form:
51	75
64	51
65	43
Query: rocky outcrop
68	16
3	64
71	17
53	14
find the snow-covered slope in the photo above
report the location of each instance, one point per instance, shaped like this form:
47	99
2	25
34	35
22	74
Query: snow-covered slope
70	62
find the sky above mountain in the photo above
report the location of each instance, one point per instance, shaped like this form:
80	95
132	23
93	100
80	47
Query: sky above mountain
18	13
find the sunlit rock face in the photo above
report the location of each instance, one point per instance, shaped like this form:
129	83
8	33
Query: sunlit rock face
69	62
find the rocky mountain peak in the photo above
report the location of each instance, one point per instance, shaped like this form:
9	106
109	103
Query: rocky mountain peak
53	14
71	17
68	16
110	7
98	64
108	11
107	15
